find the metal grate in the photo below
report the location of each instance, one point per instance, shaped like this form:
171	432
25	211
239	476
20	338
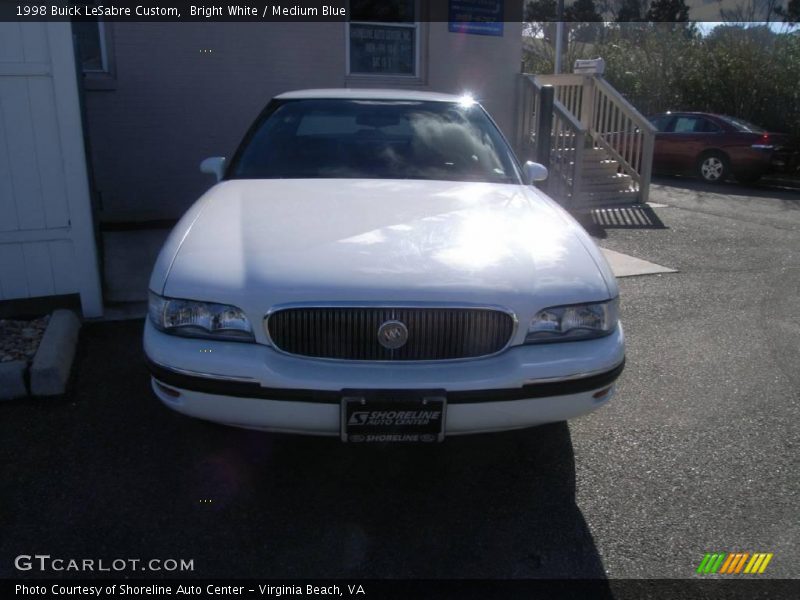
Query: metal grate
352	333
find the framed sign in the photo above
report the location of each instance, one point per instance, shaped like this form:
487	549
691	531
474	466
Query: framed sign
383	48
478	17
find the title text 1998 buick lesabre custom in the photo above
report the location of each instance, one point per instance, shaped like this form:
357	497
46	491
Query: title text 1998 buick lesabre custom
375	265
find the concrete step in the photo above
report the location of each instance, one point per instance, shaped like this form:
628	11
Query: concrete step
606	168
604	174
600	164
595	155
600	183
608	178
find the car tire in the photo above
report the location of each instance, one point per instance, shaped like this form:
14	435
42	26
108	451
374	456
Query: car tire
713	167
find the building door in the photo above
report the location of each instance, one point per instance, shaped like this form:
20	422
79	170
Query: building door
47	244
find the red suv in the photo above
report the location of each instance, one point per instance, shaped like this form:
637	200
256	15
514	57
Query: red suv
716	146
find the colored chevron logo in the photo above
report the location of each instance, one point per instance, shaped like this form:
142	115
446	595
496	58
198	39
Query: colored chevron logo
734	563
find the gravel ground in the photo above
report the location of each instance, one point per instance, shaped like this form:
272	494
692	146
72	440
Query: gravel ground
19	340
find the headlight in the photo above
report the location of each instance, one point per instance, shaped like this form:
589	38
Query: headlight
575	322
199	319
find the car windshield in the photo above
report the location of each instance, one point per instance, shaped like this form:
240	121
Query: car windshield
375	139
744	126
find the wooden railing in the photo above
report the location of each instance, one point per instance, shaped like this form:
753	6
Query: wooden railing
593	112
624	133
567	141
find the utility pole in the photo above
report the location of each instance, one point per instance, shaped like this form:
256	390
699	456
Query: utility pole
559	37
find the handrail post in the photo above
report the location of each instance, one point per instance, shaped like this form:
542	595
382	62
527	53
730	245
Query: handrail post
646	168
587	102
545	125
543	130
522	111
528	118
577	167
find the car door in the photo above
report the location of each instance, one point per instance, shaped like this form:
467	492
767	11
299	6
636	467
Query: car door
661	123
682	142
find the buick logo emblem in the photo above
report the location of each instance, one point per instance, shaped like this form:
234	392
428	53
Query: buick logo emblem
392	335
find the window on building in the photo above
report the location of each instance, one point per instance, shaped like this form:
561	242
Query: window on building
383	38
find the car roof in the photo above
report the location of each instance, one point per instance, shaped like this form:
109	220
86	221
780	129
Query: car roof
694	113
368	94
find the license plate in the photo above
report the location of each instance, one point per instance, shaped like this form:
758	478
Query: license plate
387	417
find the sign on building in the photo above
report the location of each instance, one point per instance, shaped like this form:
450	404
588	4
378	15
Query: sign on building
479	17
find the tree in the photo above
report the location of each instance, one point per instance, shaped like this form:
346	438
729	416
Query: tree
790	14
631	10
540	11
648	64
582	11
585	27
537	43
585	21
539	17
749	11
751	72
668	11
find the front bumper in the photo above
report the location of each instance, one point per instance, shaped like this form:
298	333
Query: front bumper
252	386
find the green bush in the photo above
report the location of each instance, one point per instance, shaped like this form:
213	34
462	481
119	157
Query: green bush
749	72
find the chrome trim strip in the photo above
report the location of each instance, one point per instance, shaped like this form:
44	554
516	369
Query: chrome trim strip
205	375
348	304
574	376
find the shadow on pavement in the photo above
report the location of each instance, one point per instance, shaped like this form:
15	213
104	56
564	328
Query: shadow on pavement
635	216
107	472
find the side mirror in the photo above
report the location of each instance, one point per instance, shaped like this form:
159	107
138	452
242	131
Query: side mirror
534	172
214	165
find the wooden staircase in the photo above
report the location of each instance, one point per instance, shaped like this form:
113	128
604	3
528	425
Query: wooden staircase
603	181
601	147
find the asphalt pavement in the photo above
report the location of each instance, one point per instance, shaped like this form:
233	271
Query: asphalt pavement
697	453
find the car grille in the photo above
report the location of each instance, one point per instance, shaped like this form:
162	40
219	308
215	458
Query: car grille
352	333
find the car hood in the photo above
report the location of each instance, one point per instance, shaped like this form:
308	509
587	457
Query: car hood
261	243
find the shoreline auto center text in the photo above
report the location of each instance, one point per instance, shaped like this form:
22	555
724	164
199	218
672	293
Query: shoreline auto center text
129	589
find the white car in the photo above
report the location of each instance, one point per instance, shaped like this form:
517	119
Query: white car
376	265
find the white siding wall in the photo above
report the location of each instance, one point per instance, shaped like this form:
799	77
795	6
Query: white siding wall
46	240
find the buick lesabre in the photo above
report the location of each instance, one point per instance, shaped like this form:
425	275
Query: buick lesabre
377	265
